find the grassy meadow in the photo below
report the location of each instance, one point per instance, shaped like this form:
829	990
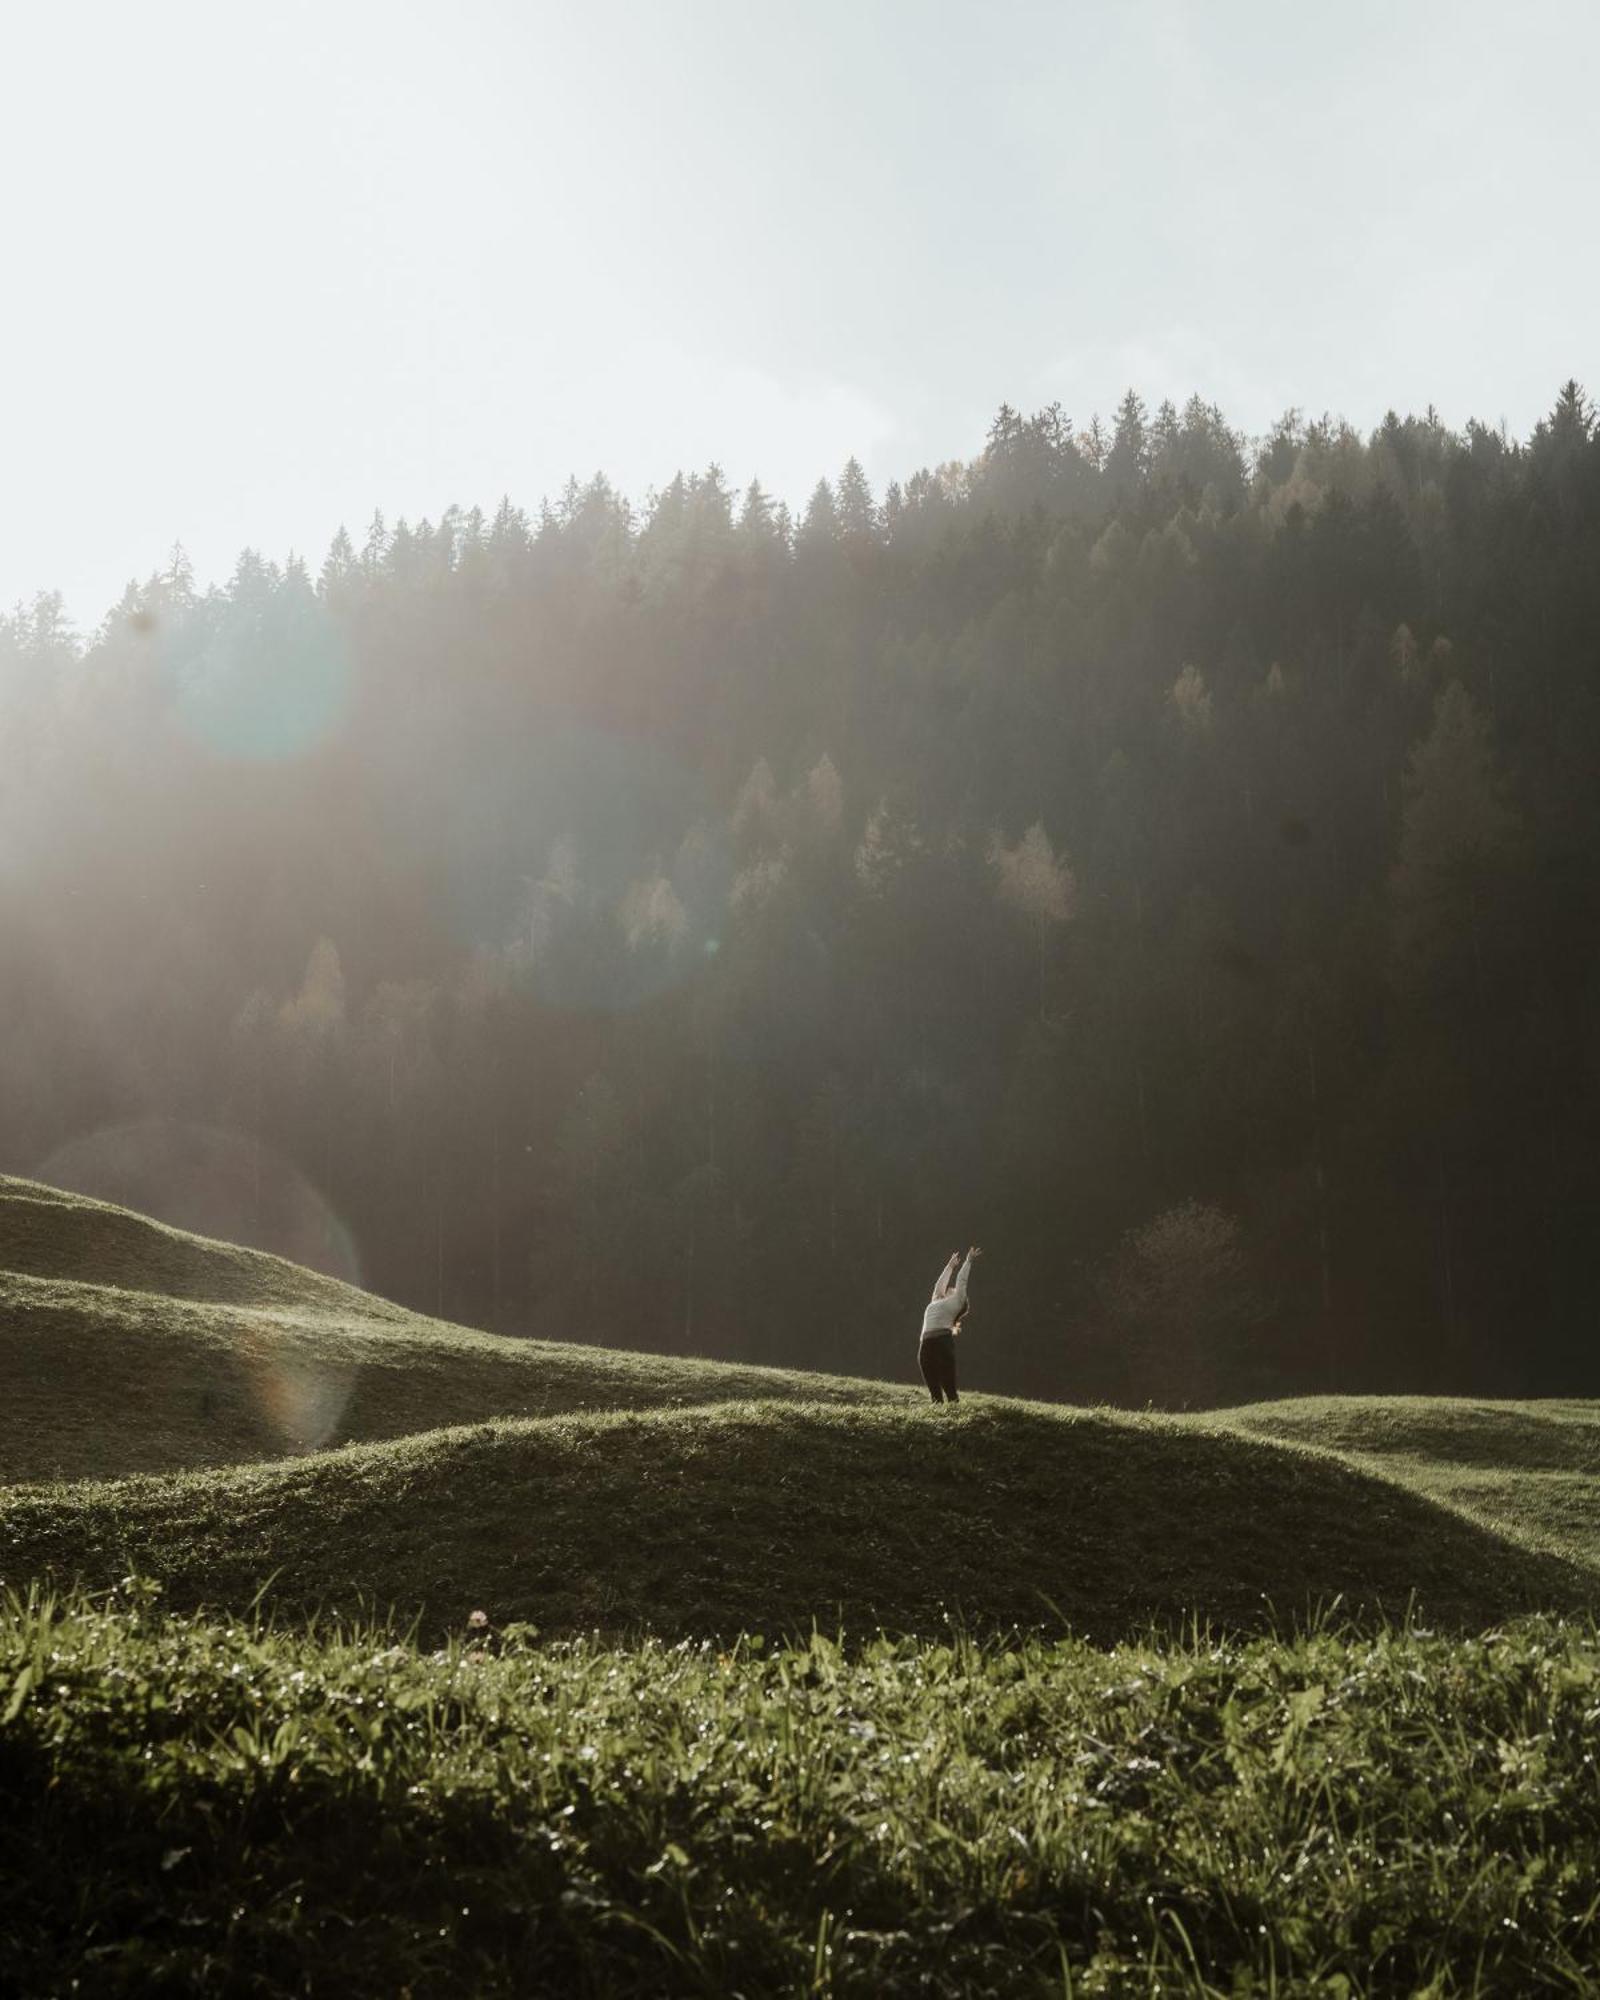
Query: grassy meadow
206	1806
344	1650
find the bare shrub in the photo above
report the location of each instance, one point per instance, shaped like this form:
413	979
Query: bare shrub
1182	1296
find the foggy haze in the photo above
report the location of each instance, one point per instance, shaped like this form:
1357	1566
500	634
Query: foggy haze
273	268
1151	818
799	997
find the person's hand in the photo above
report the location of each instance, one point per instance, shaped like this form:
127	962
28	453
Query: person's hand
974	1251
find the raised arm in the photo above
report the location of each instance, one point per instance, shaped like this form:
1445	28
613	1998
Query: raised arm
947	1275
959	1288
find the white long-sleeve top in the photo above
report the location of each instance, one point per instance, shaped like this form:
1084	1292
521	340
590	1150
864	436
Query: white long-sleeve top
949	1296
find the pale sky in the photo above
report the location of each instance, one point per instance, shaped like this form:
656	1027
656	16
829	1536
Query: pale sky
270	266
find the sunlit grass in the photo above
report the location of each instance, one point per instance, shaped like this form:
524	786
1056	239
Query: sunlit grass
1530	1471
127	1347
546	1706
219	1806
716	1519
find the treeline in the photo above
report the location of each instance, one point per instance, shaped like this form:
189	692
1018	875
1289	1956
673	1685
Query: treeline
1170	861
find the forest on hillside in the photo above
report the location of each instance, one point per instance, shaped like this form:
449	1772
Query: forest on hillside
1169	860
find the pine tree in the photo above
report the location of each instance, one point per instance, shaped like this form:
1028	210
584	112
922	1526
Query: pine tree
1038	884
1457	837
820	528
338	566
756	522
1128	460
856	511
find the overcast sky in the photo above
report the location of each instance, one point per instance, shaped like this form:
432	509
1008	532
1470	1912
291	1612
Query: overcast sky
270	266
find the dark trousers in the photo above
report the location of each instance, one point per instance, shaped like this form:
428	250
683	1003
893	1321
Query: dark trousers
936	1357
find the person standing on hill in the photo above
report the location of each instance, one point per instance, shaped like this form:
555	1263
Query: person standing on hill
941	1322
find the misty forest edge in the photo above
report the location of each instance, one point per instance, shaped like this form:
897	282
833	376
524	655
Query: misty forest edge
1170	860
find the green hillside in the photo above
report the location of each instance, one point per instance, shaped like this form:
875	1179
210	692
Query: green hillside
198	1808
1529	1471
232	1424
645	1768
127	1347
765	1516
48	1233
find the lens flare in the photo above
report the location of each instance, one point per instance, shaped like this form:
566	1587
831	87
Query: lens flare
211	1181
301	1396
260	676
224	1184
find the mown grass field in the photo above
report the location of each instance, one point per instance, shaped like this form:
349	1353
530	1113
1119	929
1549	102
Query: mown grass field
779	1683
1528	1471
128	1347
768	1516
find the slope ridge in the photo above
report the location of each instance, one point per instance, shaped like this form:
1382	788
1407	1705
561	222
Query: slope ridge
1528	1470
248	1360
49	1233
1546	1436
764	1516
103	1374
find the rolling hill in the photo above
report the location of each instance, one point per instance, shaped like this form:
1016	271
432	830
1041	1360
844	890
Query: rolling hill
247	1513
130	1347
1529	1471
766	1516
234	1425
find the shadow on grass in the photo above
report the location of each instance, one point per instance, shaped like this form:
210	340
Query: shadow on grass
1501	1437
771	1517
